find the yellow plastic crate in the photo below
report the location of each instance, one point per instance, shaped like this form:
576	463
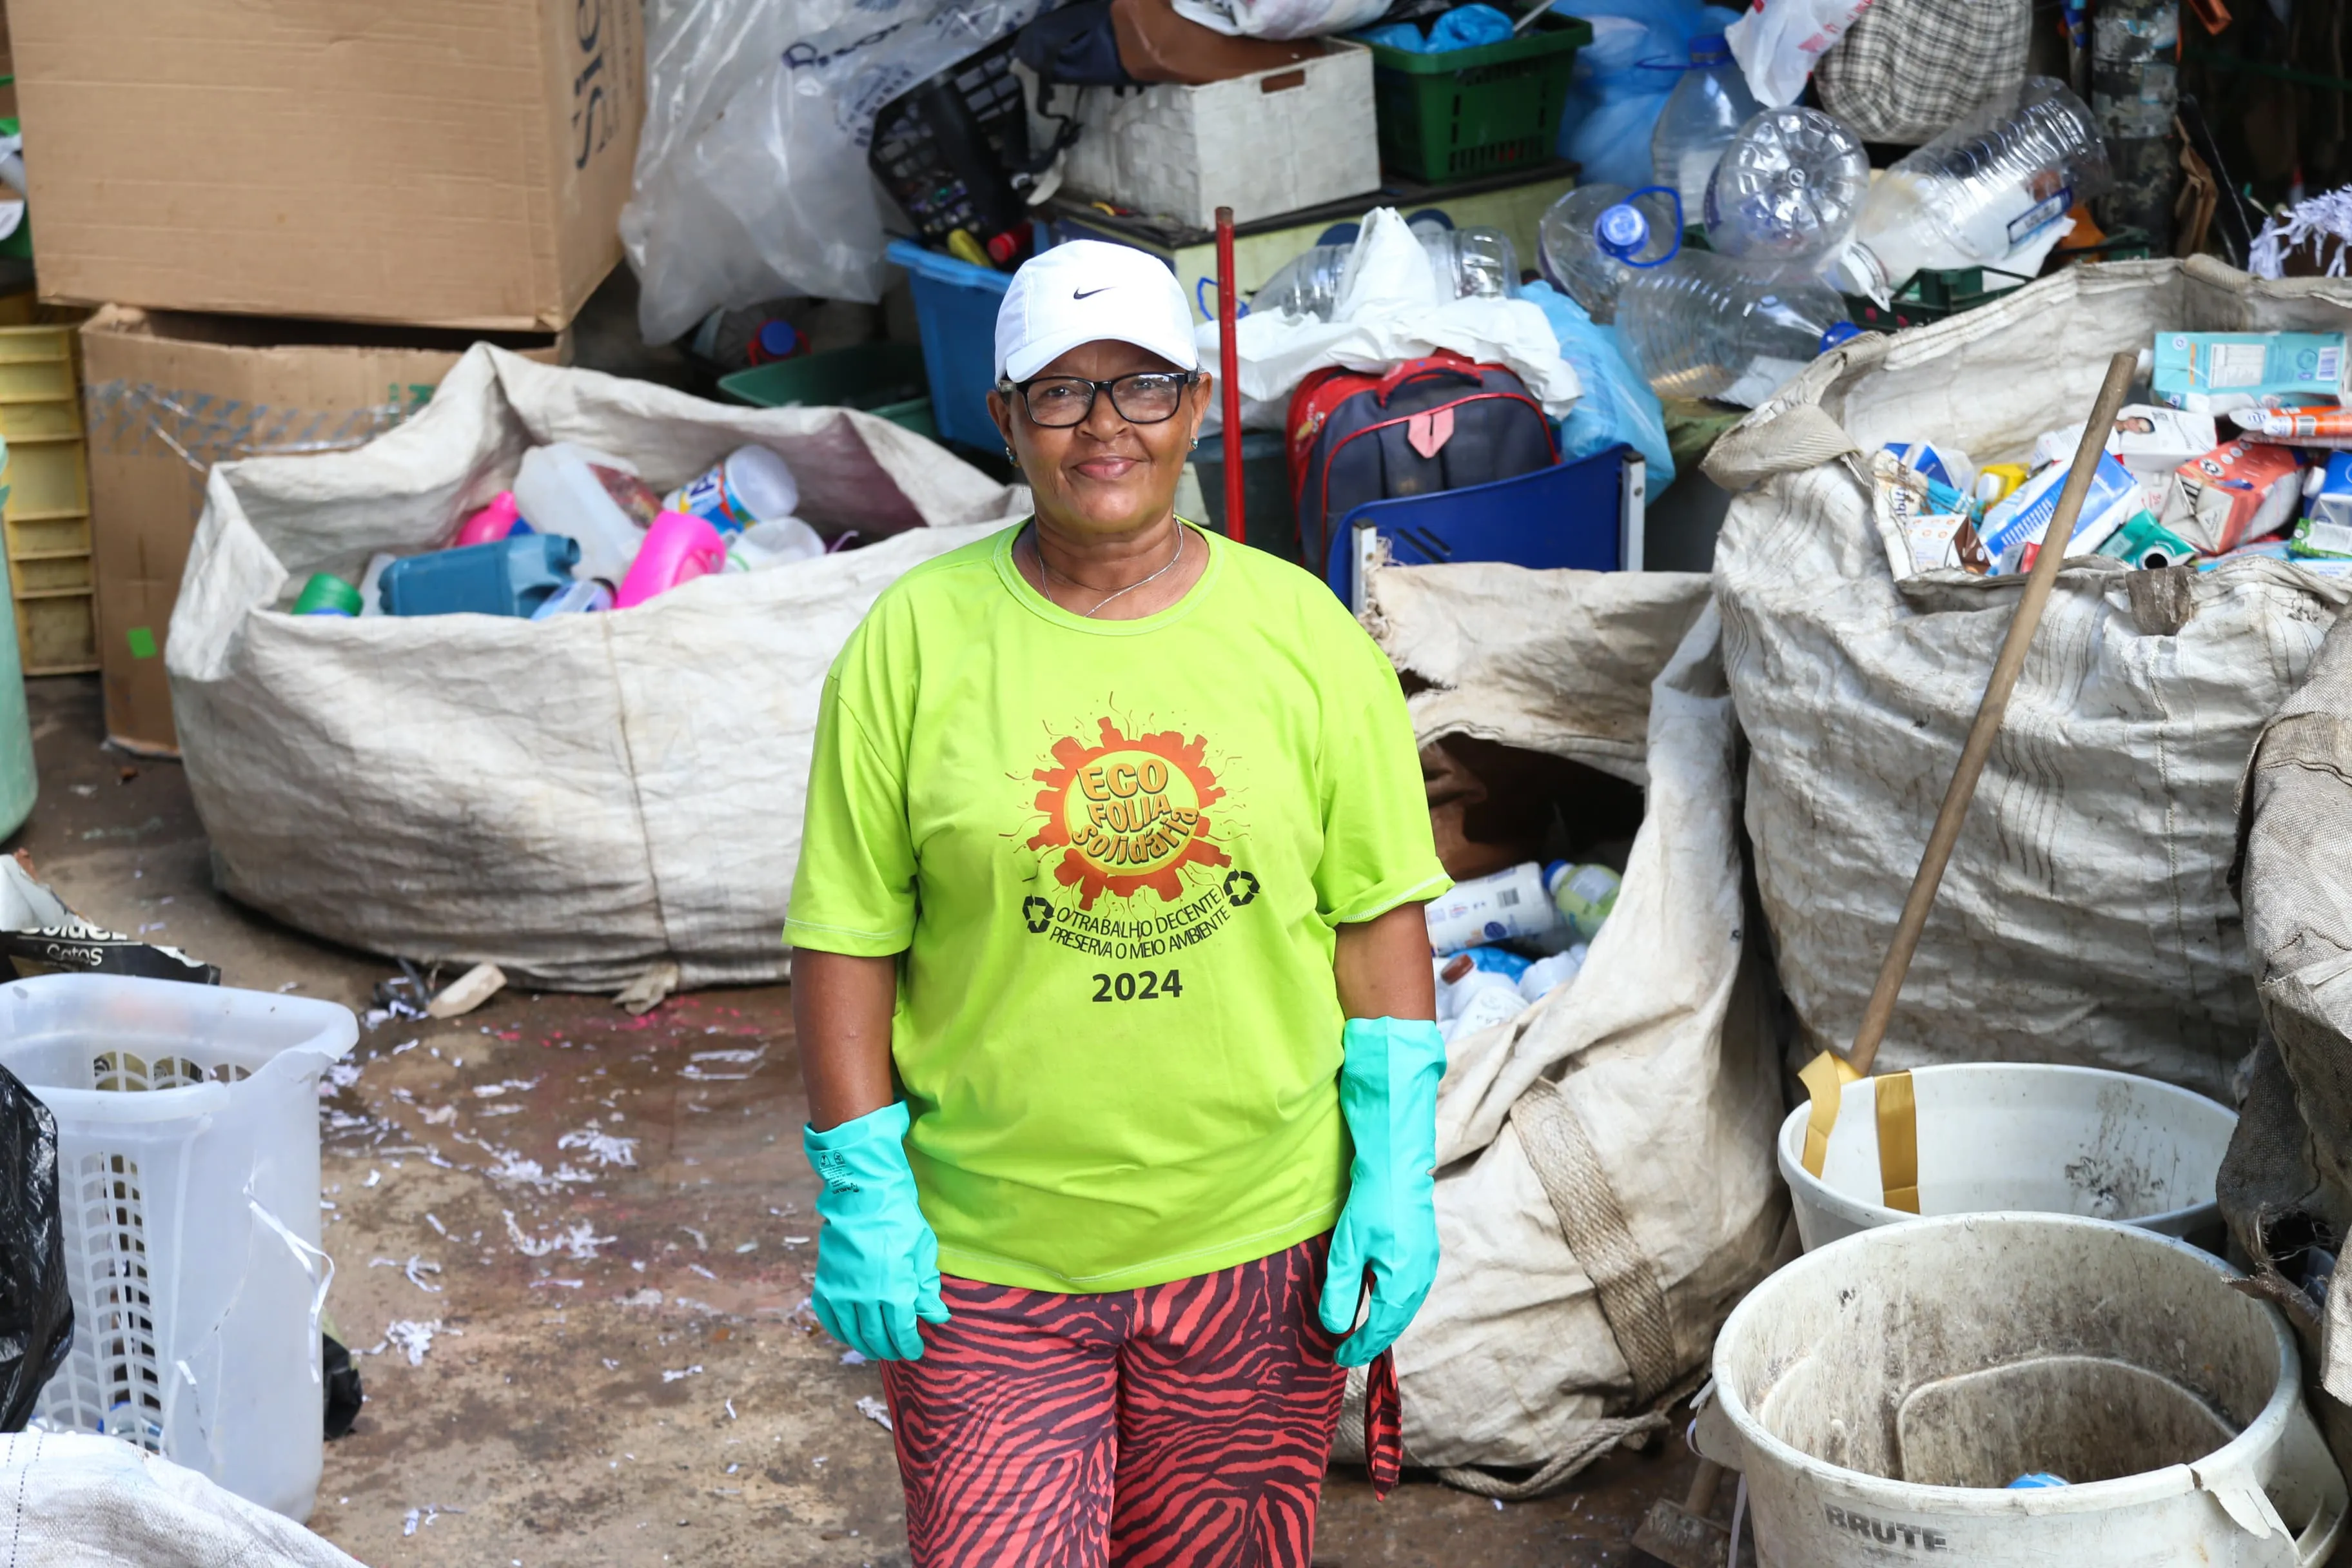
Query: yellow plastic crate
46	520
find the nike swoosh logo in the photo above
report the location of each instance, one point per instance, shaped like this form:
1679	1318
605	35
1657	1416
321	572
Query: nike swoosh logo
1089	293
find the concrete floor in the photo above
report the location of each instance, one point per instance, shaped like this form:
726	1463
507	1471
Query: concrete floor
622	1372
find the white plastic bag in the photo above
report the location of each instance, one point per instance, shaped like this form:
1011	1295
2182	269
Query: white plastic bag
1390	308
1282	18
751	180
1778	42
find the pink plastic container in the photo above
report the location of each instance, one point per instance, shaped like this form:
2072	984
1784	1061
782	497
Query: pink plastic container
490	525
678	548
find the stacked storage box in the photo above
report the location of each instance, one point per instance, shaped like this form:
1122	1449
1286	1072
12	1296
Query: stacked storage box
344	213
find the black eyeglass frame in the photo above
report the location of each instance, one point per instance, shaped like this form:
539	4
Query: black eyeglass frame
1188	378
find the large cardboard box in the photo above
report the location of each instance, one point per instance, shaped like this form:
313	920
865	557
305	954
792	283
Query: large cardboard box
167	395
440	162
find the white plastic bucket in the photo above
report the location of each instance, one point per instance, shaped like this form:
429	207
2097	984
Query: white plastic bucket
1997	1136
1879	1395
188	1183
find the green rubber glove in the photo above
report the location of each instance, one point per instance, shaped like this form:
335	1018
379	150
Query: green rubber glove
878	1263
1389	1072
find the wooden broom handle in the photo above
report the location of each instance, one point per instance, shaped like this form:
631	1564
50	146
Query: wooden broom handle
1987	727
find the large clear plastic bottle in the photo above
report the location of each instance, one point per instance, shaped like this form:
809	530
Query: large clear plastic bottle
1990	184
1705	109
1786	190
1593	236
1701	326
1468	263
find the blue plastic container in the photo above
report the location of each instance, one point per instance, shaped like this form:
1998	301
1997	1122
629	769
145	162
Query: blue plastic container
1568	515
511	576
955	307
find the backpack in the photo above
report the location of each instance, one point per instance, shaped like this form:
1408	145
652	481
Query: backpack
1442	422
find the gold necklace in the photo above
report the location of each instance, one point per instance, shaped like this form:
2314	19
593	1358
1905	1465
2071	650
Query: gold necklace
1045	569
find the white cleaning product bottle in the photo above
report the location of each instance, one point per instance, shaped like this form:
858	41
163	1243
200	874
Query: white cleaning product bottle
1511	903
591	497
752	485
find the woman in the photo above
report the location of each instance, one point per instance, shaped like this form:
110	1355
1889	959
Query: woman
1109	948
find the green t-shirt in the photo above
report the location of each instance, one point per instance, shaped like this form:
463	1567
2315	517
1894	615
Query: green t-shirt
1113	854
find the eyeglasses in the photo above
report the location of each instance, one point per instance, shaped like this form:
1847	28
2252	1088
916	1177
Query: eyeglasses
1146	397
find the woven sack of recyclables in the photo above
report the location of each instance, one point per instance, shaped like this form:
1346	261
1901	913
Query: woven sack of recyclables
2086	916
80	1498
576	800
1605	1188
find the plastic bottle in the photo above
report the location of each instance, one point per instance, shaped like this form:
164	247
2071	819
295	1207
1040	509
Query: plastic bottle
1466	262
1548	974
574	599
751	485
1477	263
678	548
1706	108
1584	895
327	595
1497	1004
1786	190
1990	184
1513	903
1459	980
1591	238
779	541
591	497
511	576
494	521
1701	326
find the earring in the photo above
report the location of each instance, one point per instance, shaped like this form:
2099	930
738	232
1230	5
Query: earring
1196	441
1008	452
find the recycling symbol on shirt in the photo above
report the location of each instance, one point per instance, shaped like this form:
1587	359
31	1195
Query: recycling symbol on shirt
1036	913
1240	887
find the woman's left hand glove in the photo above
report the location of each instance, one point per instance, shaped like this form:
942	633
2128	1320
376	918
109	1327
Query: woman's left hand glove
1388	1091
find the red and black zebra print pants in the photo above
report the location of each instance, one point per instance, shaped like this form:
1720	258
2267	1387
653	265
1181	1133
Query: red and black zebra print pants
1180	1426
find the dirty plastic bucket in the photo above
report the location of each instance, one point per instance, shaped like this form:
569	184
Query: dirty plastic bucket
1880	1394
2022	1136
188	1184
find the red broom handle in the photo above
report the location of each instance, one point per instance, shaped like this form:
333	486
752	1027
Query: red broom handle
1228	379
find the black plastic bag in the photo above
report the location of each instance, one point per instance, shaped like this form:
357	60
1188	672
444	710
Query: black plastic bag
345	1395
36	1311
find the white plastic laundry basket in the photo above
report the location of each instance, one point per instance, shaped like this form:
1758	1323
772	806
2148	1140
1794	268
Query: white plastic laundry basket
188	1180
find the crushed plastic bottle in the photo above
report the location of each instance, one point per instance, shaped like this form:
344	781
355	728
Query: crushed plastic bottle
1702	114
1594	235
1786	190
1466	263
1988	186
1701	326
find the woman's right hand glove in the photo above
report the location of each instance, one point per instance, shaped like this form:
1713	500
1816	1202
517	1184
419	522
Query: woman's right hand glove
878	1263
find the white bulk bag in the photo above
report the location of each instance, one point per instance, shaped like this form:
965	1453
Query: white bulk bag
1605	1190
76	1497
2085	916
575	800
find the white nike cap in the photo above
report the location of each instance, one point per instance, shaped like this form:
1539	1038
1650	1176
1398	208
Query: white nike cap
1085	291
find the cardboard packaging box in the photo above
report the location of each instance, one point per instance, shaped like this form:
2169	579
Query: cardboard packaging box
438	163
166	396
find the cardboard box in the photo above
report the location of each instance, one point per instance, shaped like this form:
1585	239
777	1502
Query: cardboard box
439	162
166	396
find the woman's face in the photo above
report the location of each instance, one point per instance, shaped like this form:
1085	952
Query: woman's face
1103	476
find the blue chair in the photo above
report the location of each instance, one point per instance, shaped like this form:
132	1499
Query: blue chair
1586	515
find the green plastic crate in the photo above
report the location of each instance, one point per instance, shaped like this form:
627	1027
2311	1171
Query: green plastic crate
883	379
1476	111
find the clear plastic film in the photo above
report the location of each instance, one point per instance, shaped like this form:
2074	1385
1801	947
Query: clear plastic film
751	181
